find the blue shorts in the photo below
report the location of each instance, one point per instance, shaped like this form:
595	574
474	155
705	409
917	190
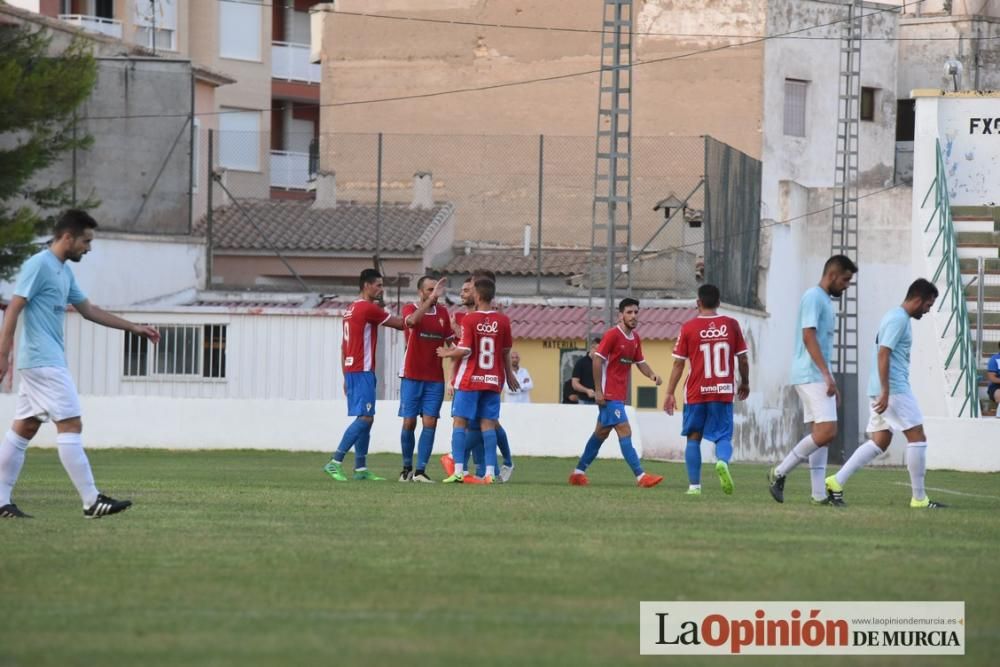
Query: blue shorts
420	397
473	405
612	413
714	420
992	388
360	393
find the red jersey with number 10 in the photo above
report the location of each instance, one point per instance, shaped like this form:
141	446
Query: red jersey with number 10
486	335
619	352
361	321
711	343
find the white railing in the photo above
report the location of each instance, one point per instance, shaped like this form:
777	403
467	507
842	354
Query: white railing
109	27
291	63
289	170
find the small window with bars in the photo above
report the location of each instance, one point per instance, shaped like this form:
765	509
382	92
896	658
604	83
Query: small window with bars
184	352
795	107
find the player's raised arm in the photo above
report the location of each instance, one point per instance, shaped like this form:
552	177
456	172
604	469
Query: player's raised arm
648	371
426	304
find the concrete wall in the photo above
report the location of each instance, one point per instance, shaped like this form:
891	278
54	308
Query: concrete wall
261	269
930	42
125	269
969	131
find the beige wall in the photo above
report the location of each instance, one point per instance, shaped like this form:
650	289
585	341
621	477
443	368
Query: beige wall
372	58
231	270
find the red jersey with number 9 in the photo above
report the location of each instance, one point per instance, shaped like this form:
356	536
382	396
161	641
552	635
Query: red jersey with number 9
486	336
711	344
361	321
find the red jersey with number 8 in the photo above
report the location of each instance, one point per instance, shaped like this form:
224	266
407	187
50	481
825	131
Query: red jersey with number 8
711	343
486	336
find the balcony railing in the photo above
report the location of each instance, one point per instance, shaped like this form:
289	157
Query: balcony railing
289	170
290	62
109	27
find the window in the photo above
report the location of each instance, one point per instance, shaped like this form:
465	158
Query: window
105	9
645	397
868	98
156	21
184	351
239	139
795	107
240	30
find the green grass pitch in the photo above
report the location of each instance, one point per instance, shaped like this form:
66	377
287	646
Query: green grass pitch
258	558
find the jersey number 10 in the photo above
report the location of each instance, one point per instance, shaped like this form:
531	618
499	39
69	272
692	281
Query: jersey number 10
715	358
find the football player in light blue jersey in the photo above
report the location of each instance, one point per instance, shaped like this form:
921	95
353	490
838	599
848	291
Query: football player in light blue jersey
894	407
813	380
45	286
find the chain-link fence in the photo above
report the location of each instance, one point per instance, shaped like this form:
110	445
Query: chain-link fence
521	206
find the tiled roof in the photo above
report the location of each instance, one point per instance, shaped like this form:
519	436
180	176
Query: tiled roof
568	322
295	225
514	263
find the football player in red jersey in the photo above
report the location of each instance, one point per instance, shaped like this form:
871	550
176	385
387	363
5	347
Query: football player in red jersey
484	355
360	343
713	344
421	391
619	349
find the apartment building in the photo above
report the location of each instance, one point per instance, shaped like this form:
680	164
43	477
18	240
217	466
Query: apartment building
267	120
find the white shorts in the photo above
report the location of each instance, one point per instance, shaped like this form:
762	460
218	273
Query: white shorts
816	405
902	414
47	393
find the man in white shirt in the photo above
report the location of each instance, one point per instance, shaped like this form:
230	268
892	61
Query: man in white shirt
522	395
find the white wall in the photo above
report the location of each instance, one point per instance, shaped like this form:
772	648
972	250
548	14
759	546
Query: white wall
175	423
969	129
124	269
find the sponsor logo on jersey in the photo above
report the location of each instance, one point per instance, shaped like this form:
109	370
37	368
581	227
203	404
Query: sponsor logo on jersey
726	388
626	360
348	361
485	379
714	332
429	334
488	327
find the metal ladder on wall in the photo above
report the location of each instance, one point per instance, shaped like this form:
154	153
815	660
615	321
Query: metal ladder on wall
611	217
844	239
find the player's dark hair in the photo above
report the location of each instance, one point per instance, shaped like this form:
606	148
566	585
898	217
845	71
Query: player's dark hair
420	281
479	274
626	302
709	295
486	289
922	288
368	276
842	263
74	221
596	340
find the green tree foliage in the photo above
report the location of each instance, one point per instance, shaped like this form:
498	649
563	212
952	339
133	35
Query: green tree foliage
39	92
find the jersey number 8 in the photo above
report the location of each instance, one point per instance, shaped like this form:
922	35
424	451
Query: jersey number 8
487	353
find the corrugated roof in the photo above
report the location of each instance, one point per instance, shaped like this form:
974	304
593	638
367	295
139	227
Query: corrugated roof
567	322
295	225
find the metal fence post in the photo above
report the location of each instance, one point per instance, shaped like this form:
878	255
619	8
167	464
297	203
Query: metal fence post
541	188
208	215
378	206
980	271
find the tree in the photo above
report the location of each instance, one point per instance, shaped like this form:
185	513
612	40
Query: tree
39	94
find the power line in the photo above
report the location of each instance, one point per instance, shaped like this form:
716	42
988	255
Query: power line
633	33
496	86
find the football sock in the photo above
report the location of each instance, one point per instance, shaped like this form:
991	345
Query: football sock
817	472
424	447
799	454
361	446
458	446
916	463
77	466
724	450
589	453
490	446
692	459
631	456
861	457
577	471
459	469
350	436
407	441
504	446
490	471
12	452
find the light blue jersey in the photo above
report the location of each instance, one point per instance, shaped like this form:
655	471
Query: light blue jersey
815	312
48	285
895	333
